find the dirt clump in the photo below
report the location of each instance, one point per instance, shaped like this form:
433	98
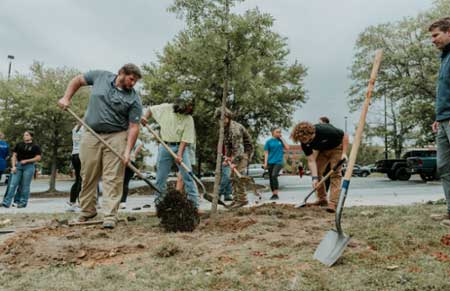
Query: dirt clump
445	240
177	213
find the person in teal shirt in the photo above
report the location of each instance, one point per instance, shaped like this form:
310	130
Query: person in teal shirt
274	159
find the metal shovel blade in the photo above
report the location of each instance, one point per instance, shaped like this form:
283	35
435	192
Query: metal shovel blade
331	247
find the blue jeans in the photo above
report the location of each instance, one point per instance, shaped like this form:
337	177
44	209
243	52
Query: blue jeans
443	157
225	182
21	179
164	165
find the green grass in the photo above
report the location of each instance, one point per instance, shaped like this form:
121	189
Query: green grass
267	255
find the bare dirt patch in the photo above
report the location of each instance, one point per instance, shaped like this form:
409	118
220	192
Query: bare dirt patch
261	229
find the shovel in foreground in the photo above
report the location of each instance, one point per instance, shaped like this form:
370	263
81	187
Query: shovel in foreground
333	244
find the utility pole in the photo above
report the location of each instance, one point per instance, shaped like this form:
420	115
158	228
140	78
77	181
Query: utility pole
385	130
346	117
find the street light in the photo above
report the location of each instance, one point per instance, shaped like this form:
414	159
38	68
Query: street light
10	57
385	131
345	123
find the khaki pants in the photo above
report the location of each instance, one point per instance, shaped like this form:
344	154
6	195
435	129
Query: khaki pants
239	194
324	158
98	161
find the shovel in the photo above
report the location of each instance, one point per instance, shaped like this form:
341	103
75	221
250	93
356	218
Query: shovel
206	195
133	168
247	178
324	179
333	244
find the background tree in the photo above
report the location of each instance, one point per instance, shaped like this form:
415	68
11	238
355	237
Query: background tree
32	106
263	88
407	78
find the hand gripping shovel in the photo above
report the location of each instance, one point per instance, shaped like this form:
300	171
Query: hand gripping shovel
133	168
207	196
333	244
324	179
247	178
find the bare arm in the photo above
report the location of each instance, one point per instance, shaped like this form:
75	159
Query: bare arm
133	132
75	84
285	144
345	142
146	116
13	162
266	157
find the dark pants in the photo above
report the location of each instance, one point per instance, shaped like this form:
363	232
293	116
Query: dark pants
274	171
126	181
76	187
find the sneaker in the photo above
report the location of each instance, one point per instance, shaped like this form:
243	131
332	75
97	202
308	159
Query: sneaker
122	205
21	206
14	205
274	197
445	222
109	223
228	198
71	207
238	204
440	217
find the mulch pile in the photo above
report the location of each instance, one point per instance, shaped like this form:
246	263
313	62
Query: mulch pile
177	213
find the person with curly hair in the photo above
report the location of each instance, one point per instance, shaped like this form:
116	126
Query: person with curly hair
322	144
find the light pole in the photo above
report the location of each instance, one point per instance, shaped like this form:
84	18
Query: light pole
10	57
385	131
345	123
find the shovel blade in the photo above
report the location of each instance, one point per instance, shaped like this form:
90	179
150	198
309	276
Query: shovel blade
331	247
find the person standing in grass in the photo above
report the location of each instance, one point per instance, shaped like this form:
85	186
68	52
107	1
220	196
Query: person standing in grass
129	173
274	159
77	132
4	153
440	36
25	155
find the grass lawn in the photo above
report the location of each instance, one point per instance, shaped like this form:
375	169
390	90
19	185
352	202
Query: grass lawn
264	248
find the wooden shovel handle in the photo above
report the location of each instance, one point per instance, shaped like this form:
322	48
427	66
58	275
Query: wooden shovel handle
362	119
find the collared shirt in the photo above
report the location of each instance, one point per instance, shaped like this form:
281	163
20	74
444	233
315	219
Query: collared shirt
327	137
443	87
175	127
110	109
237	140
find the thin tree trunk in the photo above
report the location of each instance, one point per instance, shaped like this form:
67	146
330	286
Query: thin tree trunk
218	173
52	183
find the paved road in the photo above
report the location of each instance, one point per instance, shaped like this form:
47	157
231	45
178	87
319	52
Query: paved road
363	191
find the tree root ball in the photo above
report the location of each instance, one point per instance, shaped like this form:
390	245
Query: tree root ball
177	213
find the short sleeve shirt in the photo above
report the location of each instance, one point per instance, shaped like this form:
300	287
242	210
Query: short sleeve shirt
175	127
327	137
4	152
76	139
110	109
276	151
25	151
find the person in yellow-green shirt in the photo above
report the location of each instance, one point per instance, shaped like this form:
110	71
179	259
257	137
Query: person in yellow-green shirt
178	132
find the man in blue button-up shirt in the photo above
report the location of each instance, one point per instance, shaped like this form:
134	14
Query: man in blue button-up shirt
440	36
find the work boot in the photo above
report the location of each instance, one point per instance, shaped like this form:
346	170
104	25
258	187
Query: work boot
238	204
440	217
331	207
320	203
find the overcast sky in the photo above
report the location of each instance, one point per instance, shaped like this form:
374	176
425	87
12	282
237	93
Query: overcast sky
104	34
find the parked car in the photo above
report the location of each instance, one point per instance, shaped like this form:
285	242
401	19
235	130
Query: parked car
425	166
358	170
255	170
399	169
